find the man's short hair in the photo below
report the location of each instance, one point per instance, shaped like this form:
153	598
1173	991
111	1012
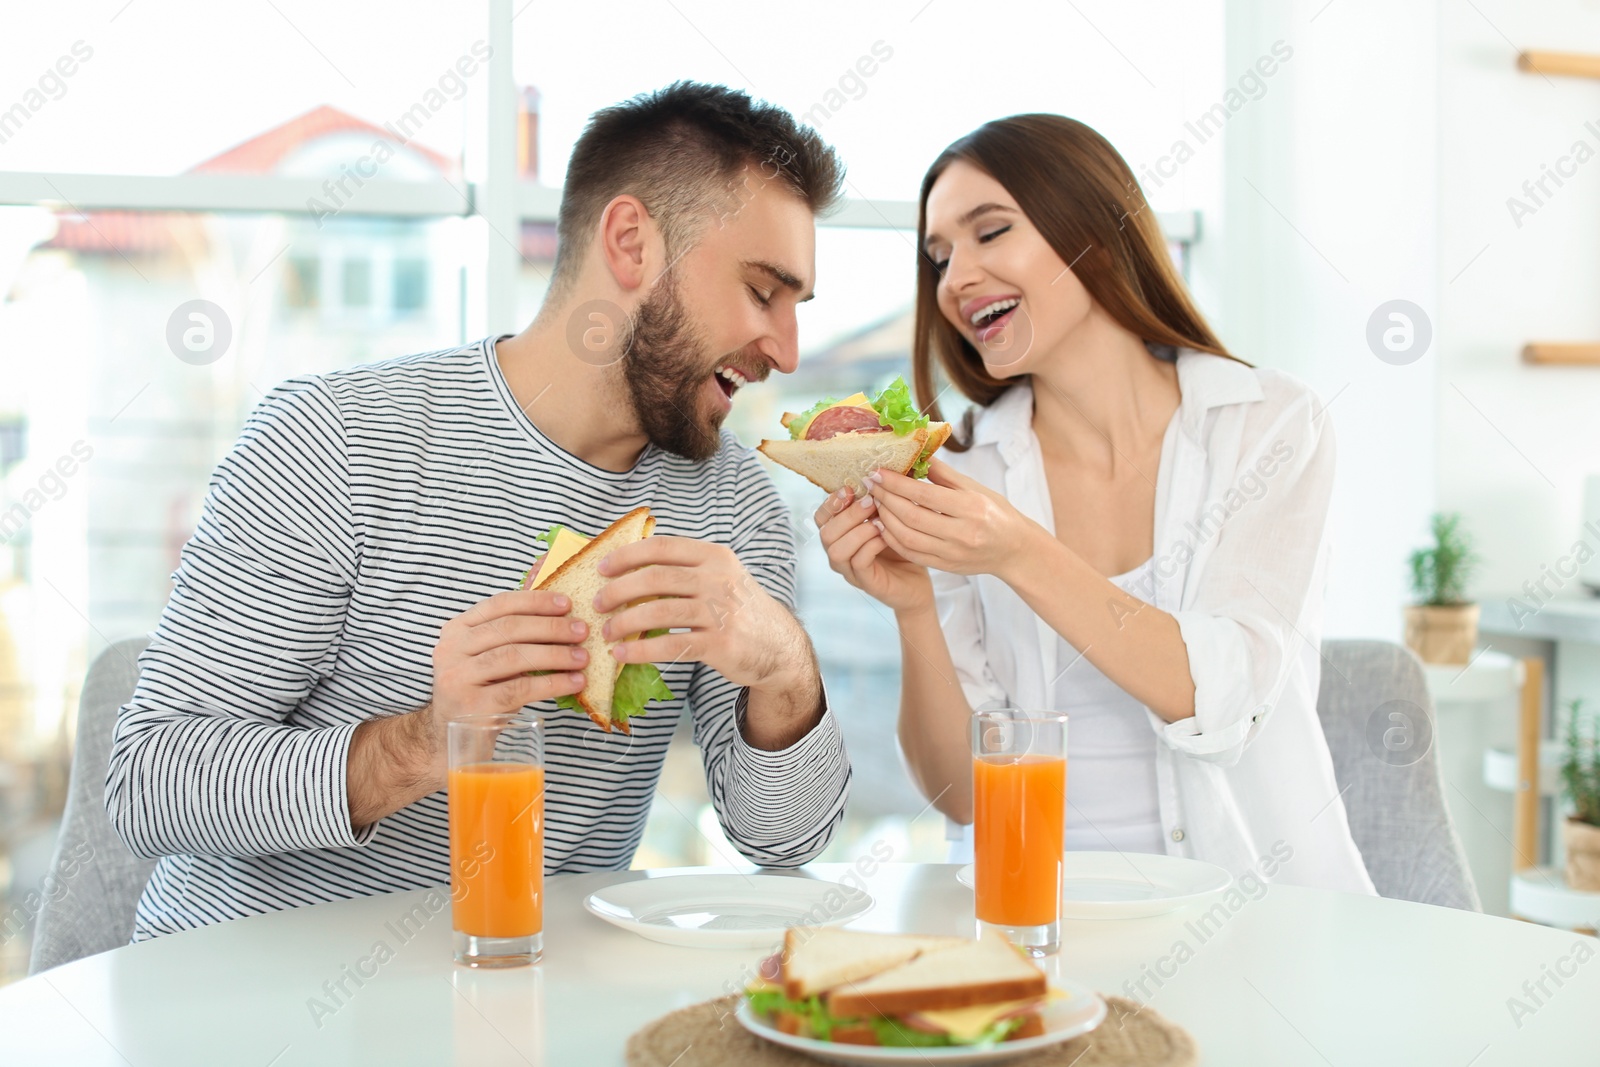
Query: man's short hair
680	150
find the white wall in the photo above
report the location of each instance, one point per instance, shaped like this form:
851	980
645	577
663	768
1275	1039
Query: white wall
1515	467
1328	213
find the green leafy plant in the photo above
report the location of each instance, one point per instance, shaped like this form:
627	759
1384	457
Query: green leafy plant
1580	766
1440	573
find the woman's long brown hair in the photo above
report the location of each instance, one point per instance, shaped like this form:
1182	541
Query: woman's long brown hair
1078	192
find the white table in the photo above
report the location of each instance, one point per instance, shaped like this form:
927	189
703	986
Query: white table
1295	977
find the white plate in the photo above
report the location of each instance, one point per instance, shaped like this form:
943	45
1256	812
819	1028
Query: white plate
1130	885
1080	1012
725	910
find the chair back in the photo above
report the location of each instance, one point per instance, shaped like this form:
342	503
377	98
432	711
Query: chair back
89	896
1381	729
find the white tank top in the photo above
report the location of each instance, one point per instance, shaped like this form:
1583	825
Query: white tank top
1112	803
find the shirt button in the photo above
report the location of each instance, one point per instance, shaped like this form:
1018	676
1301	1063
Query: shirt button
1177	835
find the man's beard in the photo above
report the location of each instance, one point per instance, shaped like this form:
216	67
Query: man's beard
666	372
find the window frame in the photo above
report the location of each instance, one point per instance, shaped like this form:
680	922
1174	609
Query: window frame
498	199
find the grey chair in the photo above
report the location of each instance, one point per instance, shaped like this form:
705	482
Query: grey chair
94	882
1381	728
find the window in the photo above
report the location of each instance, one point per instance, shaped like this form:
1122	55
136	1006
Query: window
357	283
306	266
302	283
13	441
410	285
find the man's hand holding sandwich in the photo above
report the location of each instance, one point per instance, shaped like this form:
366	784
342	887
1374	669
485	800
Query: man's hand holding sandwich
521	646
725	620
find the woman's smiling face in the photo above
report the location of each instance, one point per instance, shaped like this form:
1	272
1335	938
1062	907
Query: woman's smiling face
1000	283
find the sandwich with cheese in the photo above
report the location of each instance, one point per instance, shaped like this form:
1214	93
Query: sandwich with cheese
613	692
836	443
901	990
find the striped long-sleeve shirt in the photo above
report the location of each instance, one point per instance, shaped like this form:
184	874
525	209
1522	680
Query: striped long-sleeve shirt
358	512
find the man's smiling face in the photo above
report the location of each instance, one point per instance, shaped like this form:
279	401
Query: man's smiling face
722	315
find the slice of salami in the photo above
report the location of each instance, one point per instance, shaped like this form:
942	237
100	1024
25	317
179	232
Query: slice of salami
835	421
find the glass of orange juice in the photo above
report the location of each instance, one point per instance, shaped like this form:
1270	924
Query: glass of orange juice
496	787
1019	788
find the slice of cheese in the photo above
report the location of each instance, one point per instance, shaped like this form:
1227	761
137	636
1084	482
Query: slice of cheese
965	1024
565	546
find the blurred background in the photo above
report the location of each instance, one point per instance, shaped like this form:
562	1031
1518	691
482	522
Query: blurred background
1311	164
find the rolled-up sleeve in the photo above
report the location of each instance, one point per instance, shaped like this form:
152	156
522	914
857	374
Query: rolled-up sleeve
961	619
778	808
204	760
1256	609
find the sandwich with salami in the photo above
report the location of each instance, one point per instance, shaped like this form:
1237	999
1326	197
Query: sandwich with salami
836	443
905	990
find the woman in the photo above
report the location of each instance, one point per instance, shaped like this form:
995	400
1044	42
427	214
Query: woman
1129	526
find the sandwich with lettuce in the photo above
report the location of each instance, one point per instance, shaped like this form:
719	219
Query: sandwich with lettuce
837	443
904	990
613	692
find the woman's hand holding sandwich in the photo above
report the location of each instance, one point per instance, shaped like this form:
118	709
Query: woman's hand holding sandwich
857	551
883	546
724	619
950	522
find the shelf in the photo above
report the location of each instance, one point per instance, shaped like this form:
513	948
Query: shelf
1569	618
1541	894
1573	64
1489	676
1561	354
1500	768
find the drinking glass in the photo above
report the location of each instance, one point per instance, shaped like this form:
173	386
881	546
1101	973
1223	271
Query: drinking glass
1019	788
496	788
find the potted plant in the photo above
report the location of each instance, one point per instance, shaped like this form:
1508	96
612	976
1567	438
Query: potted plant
1442	626
1580	781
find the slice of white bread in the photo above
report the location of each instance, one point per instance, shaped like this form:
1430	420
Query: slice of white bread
845	459
579	580
818	958
976	972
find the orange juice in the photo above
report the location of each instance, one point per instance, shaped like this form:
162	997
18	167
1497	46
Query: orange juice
1019	829
497	849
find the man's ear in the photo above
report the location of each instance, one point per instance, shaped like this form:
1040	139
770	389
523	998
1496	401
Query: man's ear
626	232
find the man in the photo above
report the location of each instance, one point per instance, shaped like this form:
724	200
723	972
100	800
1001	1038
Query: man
346	592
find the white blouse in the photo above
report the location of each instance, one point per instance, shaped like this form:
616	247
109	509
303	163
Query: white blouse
1240	562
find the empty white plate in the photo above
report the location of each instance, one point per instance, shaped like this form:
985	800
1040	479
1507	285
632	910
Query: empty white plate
1130	885
1079	1012
725	910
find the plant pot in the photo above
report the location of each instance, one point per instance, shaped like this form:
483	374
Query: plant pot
1442	633
1583	855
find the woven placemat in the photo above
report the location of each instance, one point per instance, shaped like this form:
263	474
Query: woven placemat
707	1035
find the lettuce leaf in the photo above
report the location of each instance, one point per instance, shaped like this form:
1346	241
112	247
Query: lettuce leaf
797	425
896	410
769	1002
637	685
891	1032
